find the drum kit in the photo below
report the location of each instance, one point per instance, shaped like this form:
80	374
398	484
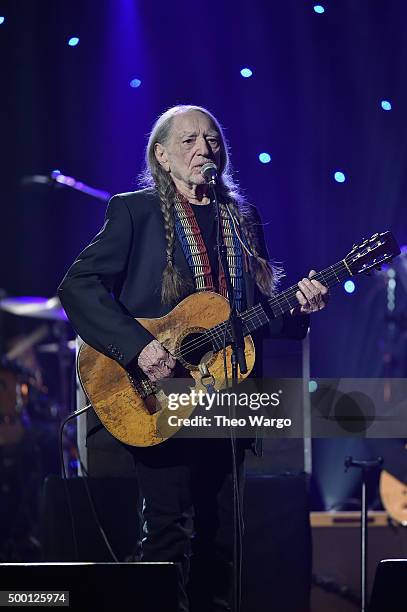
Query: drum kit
30	411
29	420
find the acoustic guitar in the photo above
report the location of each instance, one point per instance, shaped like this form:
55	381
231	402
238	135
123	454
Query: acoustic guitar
135	410
393	493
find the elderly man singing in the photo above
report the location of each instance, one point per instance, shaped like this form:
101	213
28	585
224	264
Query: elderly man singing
157	246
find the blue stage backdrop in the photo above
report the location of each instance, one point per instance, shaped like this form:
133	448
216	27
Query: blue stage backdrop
320	92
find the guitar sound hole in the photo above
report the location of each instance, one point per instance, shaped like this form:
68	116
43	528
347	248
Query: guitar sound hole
194	347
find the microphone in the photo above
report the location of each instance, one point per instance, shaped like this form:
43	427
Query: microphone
210	173
56	179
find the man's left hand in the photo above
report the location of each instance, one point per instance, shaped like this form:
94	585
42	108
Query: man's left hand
312	296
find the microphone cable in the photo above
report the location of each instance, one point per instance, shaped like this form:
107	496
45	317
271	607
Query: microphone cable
65	479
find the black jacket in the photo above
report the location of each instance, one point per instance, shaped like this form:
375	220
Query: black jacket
118	277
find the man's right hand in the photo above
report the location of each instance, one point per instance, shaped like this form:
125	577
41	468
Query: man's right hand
156	361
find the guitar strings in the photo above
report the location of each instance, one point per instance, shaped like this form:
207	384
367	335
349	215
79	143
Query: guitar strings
217	331
326	275
256	310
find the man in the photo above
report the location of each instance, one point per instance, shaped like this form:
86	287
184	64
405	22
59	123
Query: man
157	246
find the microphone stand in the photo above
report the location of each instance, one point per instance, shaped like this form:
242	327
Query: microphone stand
238	358
364	466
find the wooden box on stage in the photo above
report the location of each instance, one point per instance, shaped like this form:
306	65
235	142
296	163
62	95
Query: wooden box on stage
336	555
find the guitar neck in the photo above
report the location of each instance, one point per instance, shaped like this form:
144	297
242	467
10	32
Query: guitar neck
256	317
283	302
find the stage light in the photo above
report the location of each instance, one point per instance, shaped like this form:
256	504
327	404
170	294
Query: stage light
135	83
349	286
72	42
339	177
2	20
319	9
312	386
265	158
386	105
246	73
55	173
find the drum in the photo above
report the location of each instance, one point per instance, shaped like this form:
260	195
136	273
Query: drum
13	398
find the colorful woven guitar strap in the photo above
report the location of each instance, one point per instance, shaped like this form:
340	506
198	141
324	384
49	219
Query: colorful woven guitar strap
195	252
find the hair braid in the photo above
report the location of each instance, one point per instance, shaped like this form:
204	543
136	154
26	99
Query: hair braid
174	285
266	274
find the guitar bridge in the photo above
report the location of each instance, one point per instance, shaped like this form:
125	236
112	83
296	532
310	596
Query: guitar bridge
144	387
146	390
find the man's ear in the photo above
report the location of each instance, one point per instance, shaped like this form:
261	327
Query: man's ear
161	156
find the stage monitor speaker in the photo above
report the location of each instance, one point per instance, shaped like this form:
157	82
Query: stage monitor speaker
145	587
276	551
277	544
117	504
389	588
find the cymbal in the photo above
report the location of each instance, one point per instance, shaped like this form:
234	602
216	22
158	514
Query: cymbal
36	307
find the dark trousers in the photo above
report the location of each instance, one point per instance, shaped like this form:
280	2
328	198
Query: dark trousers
188	515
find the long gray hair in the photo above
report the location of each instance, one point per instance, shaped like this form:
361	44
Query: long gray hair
174	286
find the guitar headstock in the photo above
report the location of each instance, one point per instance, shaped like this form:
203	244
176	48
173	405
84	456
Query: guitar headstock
372	253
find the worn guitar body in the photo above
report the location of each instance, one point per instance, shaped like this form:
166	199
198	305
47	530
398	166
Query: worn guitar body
136	412
143	421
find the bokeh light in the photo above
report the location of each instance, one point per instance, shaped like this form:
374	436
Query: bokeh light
312	386
349	286
339	177
265	158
